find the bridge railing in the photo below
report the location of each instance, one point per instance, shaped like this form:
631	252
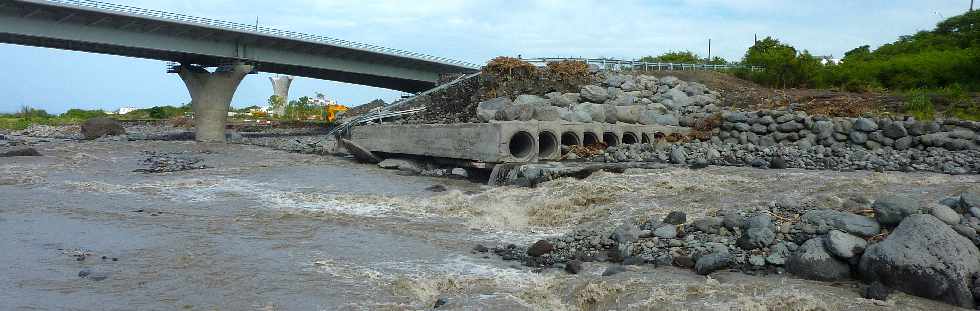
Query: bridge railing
255	29
618	64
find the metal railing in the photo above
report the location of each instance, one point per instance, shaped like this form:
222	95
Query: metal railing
619	64
255	29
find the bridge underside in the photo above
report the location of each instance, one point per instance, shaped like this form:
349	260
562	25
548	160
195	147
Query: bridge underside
45	24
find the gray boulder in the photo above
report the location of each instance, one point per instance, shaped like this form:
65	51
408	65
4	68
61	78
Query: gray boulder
858	138
626	233
666	232
533	100
865	125
97	127
945	214
759	232
926	258
894	130
546	113
611	113
823	220
678	156
594	93
812	261
712	262
844	245
891	209
629	114
969	200
622	100
487	110
567	100
708	224
596	112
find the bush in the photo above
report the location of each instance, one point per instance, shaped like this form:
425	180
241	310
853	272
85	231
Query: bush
83	114
919	105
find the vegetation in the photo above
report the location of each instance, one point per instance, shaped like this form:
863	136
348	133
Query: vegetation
948	56
683	57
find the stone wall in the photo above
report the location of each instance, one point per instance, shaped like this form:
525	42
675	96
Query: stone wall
767	128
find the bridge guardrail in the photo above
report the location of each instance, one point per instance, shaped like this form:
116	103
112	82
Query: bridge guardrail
255	29
618	64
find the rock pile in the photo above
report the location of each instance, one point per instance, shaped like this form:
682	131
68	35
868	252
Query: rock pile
767	128
837	157
158	162
633	99
898	244
48	131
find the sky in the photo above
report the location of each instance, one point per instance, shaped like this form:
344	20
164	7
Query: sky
473	31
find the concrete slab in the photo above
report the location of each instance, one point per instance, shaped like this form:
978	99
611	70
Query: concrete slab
497	142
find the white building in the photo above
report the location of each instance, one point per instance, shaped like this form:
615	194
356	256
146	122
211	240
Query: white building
125	110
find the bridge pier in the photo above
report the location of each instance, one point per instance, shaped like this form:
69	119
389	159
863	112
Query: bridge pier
280	87
211	94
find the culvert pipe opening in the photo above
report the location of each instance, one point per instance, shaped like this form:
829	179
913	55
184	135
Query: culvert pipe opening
590	138
610	139
570	139
630	138
547	144
521	145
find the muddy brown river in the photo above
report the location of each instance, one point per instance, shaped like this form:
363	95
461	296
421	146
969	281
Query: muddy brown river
269	230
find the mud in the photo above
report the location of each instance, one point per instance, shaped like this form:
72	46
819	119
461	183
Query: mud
269	230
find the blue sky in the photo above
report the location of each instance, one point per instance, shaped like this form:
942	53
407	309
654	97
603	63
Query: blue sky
474	31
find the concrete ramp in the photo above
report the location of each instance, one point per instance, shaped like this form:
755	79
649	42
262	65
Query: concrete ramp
499	142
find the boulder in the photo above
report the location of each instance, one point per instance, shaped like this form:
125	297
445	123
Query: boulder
678	156
894	130
629	114
708	224
858	138
891	209
969	200
567	100
778	254
712	262
675	218
594	93
945	214
812	261
596	112
626	233
97	127
666	232
487	110
844	245
865	125
926	258
823	220
400	164
759	232
539	248
622	100
532	100
573	267
611	113
546	113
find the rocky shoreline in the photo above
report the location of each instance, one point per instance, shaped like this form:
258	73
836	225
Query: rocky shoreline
894	242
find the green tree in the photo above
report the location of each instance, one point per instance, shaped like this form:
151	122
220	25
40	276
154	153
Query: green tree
779	60
682	57
83	114
276	102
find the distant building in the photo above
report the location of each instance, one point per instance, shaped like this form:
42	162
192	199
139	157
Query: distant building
829	59
125	110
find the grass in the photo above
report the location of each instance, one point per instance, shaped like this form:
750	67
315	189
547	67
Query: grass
17	123
919	105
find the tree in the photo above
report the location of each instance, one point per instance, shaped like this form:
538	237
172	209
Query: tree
779	60
83	114
277	103
682	57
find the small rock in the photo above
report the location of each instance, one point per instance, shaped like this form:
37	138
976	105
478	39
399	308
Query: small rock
844	245
684	261
440	302
84	273
436	188
666	232
26	152
678	156
626	233
573	267
613	270
539	248
479	248
777	163
757	260
675	218
877	291
778	254
708	224
946	214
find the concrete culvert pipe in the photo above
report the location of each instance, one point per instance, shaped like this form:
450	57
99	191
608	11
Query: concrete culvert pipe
645	138
547	144
610	139
590	138
630	138
521	145
570	139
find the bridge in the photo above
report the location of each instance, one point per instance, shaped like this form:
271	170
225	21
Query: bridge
198	43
